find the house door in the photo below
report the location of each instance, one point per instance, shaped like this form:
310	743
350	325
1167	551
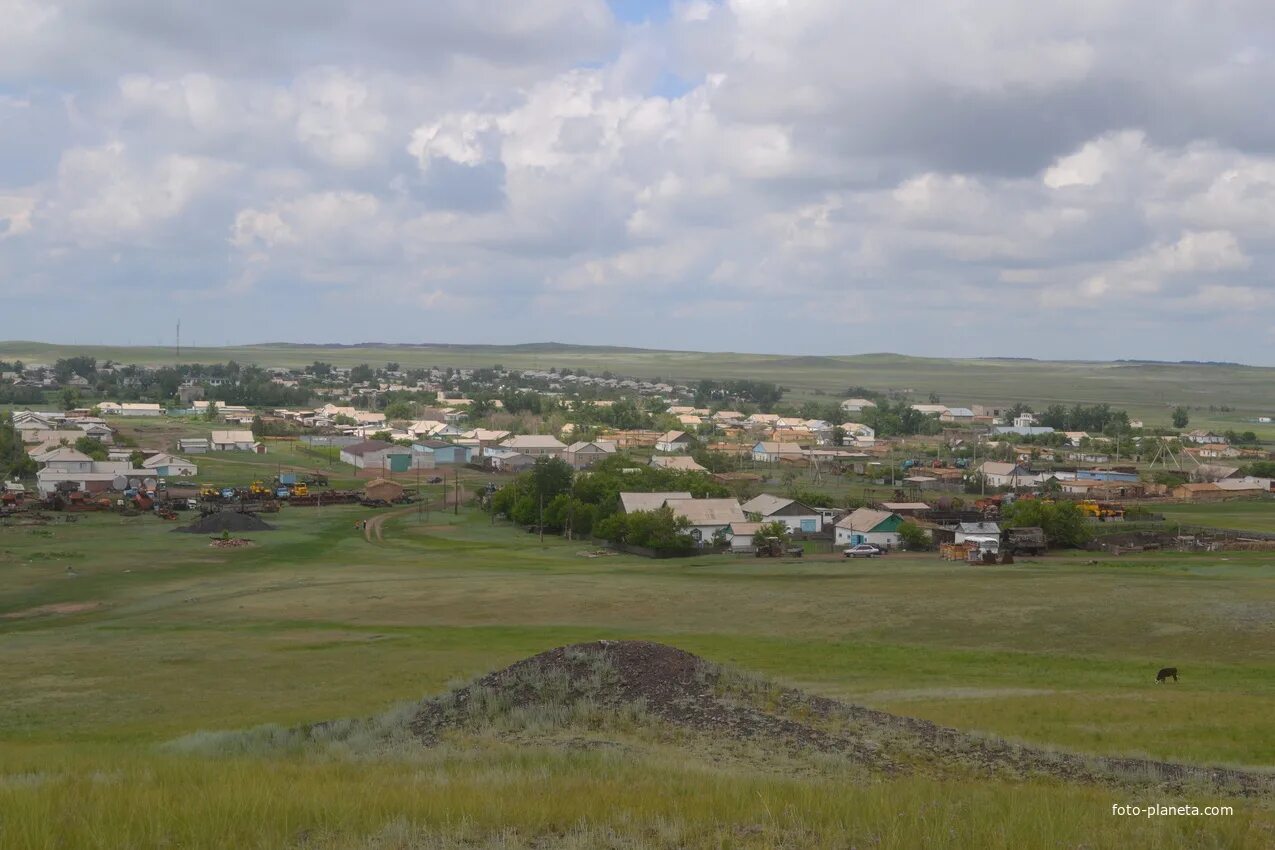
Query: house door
808	526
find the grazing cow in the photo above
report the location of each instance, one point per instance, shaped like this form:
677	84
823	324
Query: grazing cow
1166	673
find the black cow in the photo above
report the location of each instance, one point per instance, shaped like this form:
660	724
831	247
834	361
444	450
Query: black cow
1165	674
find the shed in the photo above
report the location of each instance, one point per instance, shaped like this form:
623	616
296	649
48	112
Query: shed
383	489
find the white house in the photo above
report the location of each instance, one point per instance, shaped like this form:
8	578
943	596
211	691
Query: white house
535	445
794	514
170	466
868	525
985	535
930	409
582	455
772	452
65	459
111	408
681	463
674	441
857	405
634	502
231	441
861	433
1001	474
707	516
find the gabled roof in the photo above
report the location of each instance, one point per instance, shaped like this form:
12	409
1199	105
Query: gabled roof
431	445
778	448
65	454
631	502
534	441
164	459
707	511
864	519
232	437
906	506
768	504
602	447
682	463
673	437
367	447
978	528
996	467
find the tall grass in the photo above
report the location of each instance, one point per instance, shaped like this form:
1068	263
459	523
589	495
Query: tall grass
579	799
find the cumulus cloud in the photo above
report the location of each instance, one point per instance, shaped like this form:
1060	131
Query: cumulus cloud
542	170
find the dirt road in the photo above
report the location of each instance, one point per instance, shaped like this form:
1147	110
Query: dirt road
373	529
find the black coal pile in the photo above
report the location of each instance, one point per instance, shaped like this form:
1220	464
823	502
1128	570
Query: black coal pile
231	521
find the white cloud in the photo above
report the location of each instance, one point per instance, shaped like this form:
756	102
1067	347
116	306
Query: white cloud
105	195
541	160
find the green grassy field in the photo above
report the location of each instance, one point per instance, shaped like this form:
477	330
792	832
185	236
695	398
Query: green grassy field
1238	515
1147	390
119	636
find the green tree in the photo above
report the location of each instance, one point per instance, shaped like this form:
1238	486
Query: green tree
211	412
92	447
775	528
1063	523
14	460
1181	418
400	410
913	538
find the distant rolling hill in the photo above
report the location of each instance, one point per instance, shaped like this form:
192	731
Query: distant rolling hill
1144	388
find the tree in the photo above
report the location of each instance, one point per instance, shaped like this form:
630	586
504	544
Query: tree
775	528
400	410
1063	523
70	398
136	458
14	460
1181	418
658	529
210	413
912	537
92	447
64	369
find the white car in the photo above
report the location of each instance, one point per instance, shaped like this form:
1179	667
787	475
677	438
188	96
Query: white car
863	550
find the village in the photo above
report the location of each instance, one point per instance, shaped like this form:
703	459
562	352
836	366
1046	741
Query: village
731	467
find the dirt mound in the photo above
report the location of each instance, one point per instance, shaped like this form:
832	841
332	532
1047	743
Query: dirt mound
664	684
232	521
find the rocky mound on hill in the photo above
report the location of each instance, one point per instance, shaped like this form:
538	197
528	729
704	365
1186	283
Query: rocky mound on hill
232	521
652	682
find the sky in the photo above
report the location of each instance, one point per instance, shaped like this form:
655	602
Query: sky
1087	179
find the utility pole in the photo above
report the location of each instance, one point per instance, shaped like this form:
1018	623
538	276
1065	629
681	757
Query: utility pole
456	492
540	524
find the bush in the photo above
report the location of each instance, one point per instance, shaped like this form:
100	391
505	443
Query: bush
1063	523
913	538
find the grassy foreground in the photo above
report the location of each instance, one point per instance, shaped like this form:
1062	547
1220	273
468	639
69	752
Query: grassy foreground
151	636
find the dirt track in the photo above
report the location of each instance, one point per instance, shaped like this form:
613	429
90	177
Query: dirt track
373	529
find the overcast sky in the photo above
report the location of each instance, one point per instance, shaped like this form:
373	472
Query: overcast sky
1081	179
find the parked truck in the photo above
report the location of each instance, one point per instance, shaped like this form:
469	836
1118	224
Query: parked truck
1025	541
